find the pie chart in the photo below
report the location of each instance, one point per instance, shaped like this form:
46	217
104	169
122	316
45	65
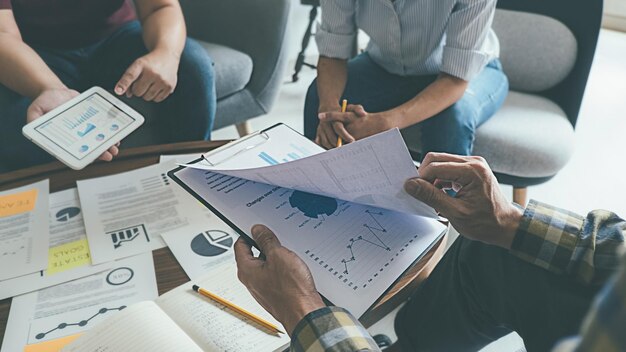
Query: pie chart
67	213
312	205
211	243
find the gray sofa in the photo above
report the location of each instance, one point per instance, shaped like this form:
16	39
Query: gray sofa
245	39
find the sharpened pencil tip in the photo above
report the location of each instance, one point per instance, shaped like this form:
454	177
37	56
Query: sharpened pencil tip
195	288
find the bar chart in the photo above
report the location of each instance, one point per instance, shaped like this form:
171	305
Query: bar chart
294	152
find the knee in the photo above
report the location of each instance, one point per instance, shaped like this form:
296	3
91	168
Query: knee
459	118
451	131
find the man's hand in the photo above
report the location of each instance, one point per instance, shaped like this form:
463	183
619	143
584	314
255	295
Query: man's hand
329	131
479	211
152	77
357	123
282	283
50	99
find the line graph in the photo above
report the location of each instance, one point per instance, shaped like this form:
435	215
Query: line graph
365	243
81	323
378	242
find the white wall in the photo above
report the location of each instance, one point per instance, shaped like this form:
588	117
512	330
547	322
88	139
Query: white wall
615	14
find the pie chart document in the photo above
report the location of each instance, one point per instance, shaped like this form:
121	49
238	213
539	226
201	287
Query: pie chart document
203	247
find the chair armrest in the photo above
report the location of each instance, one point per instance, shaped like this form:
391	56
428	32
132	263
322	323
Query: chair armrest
255	27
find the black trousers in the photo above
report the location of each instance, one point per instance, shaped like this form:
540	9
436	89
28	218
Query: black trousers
479	293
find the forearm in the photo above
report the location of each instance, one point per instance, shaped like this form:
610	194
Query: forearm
22	69
332	75
436	97
164	28
565	243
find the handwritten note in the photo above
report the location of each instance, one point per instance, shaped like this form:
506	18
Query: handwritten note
68	256
17	203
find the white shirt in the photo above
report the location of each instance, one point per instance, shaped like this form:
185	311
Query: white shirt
413	37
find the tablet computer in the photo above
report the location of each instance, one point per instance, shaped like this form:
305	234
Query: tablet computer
78	131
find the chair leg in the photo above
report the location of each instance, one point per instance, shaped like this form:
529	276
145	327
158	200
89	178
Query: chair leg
305	43
244	128
520	195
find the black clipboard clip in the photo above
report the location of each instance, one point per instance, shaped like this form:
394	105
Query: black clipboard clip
259	139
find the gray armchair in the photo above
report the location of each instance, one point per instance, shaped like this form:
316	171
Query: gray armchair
547	49
245	39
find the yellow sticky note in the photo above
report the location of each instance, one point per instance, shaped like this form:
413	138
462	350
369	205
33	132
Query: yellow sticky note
16	203
52	345
68	256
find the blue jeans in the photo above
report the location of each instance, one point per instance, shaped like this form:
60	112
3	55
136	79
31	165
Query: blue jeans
186	115
450	131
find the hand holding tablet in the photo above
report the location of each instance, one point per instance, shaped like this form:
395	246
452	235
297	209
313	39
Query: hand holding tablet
82	129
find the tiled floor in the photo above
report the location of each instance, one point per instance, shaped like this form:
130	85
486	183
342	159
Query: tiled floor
594	177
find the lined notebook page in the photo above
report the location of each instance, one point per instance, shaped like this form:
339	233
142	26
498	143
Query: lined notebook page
214	327
142	327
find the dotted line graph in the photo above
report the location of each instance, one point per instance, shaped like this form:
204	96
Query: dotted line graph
81	323
378	228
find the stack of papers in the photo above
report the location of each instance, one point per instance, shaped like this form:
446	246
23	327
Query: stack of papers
79	258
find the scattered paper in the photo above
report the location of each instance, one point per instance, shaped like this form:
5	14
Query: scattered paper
76	306
212	326
198	252
126	214
183	320
24	234
68	253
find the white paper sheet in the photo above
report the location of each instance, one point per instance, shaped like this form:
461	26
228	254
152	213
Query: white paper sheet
371	171
143	327
24	235
76	306
179	158
126	214
212	326
355	252
200	251
183	320
68	256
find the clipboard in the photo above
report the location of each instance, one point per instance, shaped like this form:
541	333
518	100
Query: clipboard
239	148
228	152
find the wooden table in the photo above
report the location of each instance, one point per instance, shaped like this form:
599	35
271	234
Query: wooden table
169	273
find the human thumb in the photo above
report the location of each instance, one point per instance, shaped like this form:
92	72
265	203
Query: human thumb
424	191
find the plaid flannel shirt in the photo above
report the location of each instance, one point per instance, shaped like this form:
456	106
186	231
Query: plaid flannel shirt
588	249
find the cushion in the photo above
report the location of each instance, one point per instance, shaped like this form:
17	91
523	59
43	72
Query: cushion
233	68
530	136
537	52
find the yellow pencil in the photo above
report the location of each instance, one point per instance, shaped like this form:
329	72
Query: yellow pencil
237	309
344	105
